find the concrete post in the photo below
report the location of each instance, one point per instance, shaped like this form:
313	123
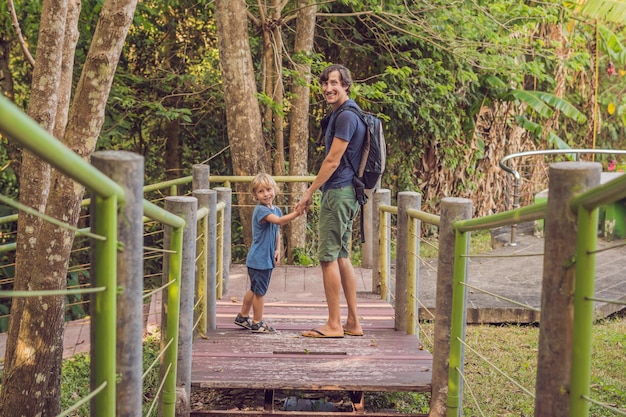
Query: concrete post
406	200
225	195
208	198
200	177
127	169
382	196
557	291
452	209
186	208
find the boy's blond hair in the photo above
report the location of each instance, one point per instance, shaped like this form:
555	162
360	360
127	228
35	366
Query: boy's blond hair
262	180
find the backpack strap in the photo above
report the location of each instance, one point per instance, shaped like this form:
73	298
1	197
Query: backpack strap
359	113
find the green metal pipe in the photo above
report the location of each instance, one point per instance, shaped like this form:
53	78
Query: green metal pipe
386	208
411	286
18	126
104	313
173	310
601	195
48	293
457	325
8	219
520	215
383	248
159	214
201	270
428	218
583	312
219	250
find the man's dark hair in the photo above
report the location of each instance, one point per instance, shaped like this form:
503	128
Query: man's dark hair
344	73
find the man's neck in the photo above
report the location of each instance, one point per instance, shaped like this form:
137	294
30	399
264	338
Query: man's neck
337	105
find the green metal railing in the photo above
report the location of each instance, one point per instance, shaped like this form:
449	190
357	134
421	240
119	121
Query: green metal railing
585	206
109	196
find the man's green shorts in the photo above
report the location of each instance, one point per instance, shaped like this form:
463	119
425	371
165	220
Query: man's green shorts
337	213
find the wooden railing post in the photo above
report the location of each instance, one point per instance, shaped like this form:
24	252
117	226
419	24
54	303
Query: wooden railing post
225	195
406	200
557	291
382	196
452	209
187	209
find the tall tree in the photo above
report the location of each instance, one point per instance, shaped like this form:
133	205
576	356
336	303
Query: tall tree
32	373
243	115
299	117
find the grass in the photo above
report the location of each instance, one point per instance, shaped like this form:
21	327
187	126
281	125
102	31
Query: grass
513	349
75	379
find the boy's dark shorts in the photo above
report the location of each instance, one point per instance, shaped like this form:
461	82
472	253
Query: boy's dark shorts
259	280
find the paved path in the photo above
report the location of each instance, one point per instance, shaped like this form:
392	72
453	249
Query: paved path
516	272
512	276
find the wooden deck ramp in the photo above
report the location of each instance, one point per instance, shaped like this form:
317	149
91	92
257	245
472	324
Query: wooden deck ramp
383	360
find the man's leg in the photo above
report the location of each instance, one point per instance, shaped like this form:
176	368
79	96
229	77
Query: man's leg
348	283
332	289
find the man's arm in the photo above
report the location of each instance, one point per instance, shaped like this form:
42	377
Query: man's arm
329	166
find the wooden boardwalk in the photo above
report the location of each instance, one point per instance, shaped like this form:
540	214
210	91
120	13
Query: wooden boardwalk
383	360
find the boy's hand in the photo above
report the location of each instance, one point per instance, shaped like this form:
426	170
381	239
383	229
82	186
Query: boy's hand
304	203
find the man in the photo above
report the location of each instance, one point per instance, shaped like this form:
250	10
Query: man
343	140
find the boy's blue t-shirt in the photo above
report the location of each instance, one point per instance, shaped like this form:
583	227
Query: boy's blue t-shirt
261	253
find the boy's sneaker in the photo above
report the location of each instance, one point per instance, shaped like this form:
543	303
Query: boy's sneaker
261	327
242	321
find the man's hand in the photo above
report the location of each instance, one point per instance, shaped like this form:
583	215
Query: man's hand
304	203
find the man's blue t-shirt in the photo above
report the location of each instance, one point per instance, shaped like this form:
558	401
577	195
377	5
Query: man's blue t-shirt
261	253
349	127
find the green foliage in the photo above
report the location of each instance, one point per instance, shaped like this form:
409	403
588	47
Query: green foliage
301	257
76	371
75	383
4	318
74	303
402	402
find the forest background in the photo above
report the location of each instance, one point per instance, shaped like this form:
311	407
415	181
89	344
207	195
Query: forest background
459	84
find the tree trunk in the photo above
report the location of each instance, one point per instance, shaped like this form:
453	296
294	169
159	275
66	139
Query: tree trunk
299	120
173	145
6	78
31	378
33	366
278	92
243	117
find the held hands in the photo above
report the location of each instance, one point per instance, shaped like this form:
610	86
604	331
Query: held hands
304	203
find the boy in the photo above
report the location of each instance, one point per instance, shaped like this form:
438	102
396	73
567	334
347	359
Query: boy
264	252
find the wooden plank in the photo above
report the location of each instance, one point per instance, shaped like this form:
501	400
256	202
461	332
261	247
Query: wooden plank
384	360
252	413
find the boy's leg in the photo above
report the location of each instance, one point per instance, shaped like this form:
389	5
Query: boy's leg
247	303
258	303
260	283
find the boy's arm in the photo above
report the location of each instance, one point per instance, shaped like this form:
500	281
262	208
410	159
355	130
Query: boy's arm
277	250
272	218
